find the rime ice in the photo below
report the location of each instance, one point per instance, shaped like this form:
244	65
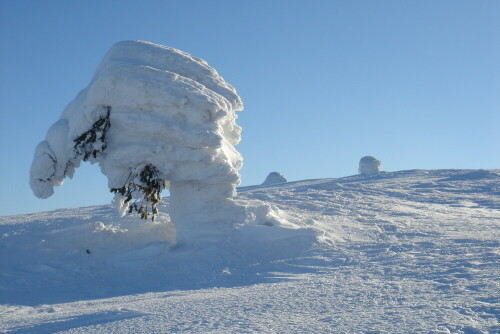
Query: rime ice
165	109
369	165
275	177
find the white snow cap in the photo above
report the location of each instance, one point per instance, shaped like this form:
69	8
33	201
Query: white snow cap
275	177
166	108
369	165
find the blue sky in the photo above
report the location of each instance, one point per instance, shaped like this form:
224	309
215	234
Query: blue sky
414	83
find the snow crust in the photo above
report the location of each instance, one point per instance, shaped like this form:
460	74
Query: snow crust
274	178
369	165
399	252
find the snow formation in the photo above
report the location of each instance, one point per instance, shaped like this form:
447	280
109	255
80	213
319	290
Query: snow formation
275	177
151	107
369	165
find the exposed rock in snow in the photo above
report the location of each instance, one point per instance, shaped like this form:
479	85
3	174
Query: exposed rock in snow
275	177
369	165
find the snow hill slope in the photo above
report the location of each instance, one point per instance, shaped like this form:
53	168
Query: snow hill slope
400	252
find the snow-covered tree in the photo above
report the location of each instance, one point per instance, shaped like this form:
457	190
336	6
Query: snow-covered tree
275	177
369	165
152	117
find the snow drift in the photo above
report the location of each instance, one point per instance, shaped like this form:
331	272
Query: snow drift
153	117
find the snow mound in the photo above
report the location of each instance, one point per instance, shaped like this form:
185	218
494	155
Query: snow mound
95	252
369	165
274	178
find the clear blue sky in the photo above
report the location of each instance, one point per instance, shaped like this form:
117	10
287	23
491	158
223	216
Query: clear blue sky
414	83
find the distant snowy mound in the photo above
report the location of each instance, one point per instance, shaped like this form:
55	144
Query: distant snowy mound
369	165
274	178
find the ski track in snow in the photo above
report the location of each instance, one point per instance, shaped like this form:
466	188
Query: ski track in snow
400	252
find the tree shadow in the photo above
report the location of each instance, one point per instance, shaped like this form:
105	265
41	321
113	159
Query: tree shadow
83	320
251	255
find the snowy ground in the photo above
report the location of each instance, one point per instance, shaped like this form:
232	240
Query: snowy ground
401	252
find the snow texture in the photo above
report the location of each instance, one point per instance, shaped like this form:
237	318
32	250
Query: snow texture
369	165
397	252
166	109
274	178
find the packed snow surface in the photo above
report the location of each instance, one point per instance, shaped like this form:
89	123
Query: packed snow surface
369	165
397	252
274	177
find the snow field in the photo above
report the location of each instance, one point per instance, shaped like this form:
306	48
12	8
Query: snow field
402	252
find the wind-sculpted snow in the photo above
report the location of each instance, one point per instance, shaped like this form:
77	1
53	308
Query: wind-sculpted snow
395	252
148	106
